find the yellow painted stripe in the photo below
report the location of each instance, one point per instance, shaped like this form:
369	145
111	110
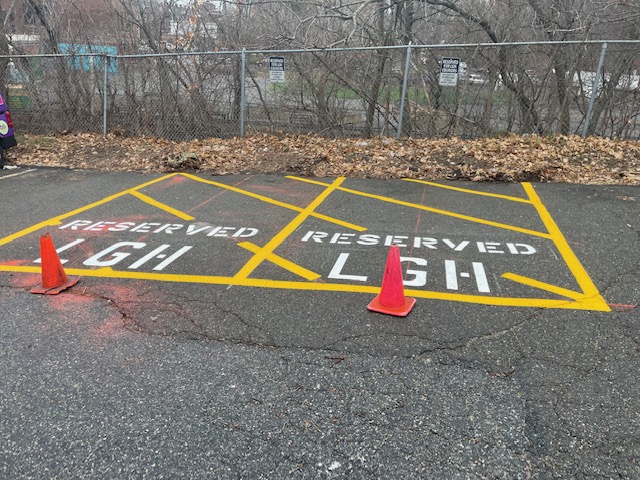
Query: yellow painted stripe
564	292
574	265
337	221
277	203
585	304
161	206
58	220
151	182
283	262
31	229
432	210
286	231
466	190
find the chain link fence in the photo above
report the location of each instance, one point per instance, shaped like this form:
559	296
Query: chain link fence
543	88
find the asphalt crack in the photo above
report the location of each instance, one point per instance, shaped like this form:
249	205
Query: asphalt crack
469	341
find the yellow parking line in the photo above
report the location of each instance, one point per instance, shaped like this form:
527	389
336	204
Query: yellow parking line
564	292
432	210
282	262
58	220
575	267
31	229
466	190
161	206
268	249
319	286
337	221
151	182
278	203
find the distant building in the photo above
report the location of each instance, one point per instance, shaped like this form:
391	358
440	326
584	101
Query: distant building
175	25
67	21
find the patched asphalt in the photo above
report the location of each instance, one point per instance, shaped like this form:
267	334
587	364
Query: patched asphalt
220	328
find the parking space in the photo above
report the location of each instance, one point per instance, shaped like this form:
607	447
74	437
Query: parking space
480	244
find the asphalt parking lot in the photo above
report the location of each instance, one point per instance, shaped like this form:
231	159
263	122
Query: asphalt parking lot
220	329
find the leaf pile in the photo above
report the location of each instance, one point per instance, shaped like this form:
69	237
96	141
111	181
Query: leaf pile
570	159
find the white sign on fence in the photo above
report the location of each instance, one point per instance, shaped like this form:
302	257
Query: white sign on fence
276	69
449	68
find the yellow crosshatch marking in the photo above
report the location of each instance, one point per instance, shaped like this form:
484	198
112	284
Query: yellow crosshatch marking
161	206
277	203
268	249
282	262
466	190
432	210
58	220
588	298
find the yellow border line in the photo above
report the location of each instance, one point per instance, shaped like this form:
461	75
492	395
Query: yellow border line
466	190
530	282
272	244
430	209
589	290
314	286
58	220
283	262
162	206
278	203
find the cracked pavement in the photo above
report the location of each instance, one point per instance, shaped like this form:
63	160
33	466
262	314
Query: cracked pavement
132	378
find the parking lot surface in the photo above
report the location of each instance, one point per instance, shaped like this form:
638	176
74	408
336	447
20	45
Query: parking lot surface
220	328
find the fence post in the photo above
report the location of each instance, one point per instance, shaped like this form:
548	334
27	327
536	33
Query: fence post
594	90
105	86
403	96
242	92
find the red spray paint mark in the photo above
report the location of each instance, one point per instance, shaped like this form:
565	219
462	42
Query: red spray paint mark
111	328
69	308
216	196
26	280
289	192
168	183
623	307
16	262
77	309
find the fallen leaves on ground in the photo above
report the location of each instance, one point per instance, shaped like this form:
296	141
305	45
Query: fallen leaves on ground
569	159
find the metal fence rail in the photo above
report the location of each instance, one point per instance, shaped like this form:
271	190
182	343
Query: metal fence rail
587	88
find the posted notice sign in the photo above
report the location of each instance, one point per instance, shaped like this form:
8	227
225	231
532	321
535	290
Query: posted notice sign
276	69
449	68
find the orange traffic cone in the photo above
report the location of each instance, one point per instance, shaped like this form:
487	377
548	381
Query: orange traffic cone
54	280
391	299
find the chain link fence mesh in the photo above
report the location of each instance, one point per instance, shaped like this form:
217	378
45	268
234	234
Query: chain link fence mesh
176	97
337	93
55	94
501	89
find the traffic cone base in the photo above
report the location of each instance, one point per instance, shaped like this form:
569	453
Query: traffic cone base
54	279
401	311
71	281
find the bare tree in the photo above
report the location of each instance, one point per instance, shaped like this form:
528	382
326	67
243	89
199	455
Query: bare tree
45	12
4	50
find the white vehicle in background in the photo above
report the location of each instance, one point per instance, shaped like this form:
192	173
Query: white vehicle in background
475	79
